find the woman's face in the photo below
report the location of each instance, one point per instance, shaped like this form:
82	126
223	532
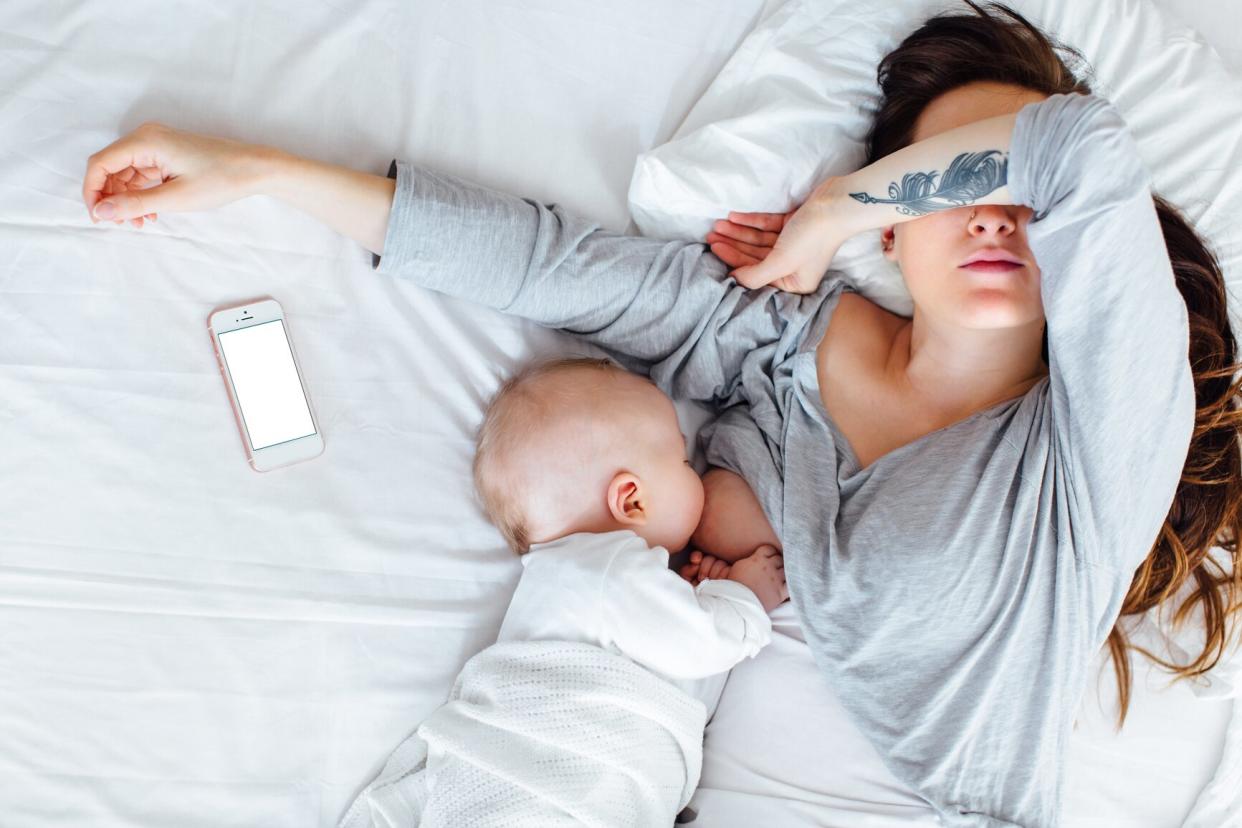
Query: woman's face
932	250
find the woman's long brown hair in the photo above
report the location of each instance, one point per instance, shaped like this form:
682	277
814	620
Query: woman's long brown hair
995	43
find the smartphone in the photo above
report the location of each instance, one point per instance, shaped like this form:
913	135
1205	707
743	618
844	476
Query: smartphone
264	384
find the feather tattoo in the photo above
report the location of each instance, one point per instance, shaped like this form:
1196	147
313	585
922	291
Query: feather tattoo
970	177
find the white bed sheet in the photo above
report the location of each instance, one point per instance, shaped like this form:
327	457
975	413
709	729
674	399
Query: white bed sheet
183	641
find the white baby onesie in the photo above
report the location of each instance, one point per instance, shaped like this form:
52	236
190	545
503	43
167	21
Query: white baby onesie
614	591
584	711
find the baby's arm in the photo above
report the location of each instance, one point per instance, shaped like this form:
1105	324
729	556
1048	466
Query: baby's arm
733	526
665	624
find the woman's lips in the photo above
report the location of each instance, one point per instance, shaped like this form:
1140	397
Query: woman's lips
992	267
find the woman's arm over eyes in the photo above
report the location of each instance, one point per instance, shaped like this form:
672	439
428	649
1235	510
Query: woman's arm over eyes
959	167
1121	387
666	306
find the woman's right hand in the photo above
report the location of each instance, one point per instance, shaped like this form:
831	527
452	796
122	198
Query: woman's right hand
157	169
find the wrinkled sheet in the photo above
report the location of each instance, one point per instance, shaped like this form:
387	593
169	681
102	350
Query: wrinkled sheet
186	642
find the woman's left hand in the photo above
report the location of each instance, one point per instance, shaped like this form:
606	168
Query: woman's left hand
746	238
745	241
790	251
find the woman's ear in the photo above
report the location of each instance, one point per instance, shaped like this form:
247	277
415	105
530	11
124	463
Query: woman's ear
627	500
888	242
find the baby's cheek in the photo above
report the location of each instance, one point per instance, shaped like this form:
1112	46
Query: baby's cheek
691	508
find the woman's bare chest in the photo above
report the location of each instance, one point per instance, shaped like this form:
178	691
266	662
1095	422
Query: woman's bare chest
872	424
865	410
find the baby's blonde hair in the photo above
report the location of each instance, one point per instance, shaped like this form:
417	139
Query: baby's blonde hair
513	416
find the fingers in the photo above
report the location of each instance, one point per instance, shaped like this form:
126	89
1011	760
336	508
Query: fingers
763	273
786	283
133	150
751	252
752	277
137	204
772	222
742	233
120	207
148	177
712	569
796	283
731	256
117	184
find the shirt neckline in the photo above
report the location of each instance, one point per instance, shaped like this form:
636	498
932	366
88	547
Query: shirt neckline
852	468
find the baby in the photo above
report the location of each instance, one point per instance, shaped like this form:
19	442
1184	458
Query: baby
585	711
560	434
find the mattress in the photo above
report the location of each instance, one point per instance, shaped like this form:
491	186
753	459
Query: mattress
186	642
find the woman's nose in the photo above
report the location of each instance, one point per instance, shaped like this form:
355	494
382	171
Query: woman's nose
992	219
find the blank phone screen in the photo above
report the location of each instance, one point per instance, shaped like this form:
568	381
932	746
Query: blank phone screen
266	384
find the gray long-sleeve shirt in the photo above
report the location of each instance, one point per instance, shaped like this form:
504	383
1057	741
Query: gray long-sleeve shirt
956	591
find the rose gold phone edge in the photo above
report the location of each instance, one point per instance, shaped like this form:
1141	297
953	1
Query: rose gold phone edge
228	385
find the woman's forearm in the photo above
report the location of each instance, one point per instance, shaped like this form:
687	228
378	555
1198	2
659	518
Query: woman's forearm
963	166
160	169
353	203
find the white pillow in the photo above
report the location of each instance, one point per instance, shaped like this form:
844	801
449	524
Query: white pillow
794	104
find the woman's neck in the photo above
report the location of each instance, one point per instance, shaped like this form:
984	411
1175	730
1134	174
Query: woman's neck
956	371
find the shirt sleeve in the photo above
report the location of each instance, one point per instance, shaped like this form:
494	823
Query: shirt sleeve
659	620
1120	386
667	308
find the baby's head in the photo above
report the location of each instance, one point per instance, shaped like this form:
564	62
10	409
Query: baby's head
581	445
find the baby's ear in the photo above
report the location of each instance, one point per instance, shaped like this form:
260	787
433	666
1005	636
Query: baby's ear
627	500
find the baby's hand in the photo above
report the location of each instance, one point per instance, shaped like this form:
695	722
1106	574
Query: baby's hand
704	568
764	572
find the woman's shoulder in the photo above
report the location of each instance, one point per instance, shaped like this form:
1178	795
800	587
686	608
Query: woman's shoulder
860	332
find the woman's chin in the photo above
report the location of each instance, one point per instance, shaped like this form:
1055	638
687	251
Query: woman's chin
997	309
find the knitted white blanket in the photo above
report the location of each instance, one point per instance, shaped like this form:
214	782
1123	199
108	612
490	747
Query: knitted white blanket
544	733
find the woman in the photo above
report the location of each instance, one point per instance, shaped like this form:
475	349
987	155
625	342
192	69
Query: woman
961	518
